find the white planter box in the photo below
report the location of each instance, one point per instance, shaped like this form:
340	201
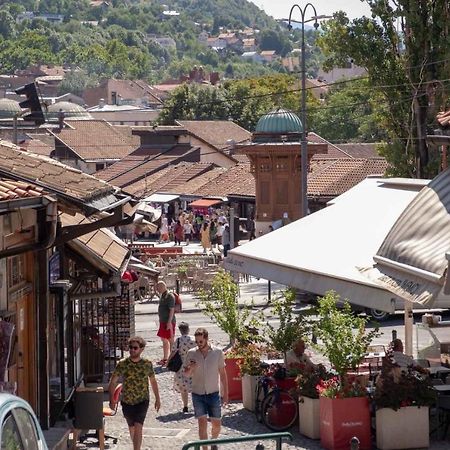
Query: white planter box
249	383
309	417
405	428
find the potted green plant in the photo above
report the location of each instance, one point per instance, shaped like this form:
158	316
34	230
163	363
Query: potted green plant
344	408
250	366
220	303
292	326
402	399
308	380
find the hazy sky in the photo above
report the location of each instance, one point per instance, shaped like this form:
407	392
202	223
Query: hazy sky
280	8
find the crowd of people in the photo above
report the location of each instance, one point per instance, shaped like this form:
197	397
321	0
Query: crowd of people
211	230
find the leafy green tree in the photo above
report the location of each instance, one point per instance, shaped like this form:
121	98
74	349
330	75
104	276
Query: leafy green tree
7	25
194	102
409	67
76	82
274	40
350	112
343	337
220	303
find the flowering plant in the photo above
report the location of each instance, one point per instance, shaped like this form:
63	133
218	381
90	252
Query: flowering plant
250	362
341	387
309	377
398	387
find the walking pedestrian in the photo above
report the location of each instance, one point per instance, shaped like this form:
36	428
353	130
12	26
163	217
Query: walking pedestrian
226	240
164	230
251	228
178	233
204	233
167	320
187	231
213	233
181	382
206	365
136	373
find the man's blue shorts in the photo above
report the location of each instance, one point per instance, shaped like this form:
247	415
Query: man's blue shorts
207	405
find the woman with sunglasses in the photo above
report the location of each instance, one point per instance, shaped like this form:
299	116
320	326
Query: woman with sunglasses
136	372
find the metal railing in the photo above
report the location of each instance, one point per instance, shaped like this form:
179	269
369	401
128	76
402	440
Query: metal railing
277	437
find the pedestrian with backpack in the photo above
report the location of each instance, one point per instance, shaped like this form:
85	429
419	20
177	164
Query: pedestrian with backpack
167	320
181	382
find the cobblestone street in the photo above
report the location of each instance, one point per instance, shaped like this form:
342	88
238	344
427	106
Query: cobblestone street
170	428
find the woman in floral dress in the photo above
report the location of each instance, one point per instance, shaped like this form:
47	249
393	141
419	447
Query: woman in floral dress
182	383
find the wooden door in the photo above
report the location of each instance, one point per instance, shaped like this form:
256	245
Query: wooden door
24	349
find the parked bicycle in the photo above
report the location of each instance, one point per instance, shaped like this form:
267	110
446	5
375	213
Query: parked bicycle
275	407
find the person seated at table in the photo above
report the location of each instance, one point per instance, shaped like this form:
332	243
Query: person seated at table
296	356
398	356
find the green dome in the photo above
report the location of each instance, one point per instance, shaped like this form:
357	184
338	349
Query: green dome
279	121
9	108
70	110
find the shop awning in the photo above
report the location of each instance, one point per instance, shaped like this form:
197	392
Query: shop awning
160	198
204	203
139	266
101	248
325	250
411	261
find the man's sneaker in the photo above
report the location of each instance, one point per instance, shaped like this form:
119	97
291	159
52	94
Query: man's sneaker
185	409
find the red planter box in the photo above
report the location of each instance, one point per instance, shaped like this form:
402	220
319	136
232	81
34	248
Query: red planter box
234	378
343	418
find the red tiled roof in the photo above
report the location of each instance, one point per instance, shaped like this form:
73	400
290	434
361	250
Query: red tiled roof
95	140
360	149
333	150
37	146
169	179
216	133
236	180
50	174
136	167
11	190
193	186
333	178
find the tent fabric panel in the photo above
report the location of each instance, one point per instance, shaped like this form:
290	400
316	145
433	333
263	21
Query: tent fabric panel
160	198
204	203
331	245
358	294
412	258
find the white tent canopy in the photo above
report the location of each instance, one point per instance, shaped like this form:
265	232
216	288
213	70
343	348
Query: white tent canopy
324	250
160	198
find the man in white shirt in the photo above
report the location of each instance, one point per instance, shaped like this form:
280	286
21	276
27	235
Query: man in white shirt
206	365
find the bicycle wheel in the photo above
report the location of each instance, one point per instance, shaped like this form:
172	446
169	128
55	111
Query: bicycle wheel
279	410
259	397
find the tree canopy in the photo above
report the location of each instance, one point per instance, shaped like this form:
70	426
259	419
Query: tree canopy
405	48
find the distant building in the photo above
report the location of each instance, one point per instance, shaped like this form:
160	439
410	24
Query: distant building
249	45
253	56
122	92
269	55
352	71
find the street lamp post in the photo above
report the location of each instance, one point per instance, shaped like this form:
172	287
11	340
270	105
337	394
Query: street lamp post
303	141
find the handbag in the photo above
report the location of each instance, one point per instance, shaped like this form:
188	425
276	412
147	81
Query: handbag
175	362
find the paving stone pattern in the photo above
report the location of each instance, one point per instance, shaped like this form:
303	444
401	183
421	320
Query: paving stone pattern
170	428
